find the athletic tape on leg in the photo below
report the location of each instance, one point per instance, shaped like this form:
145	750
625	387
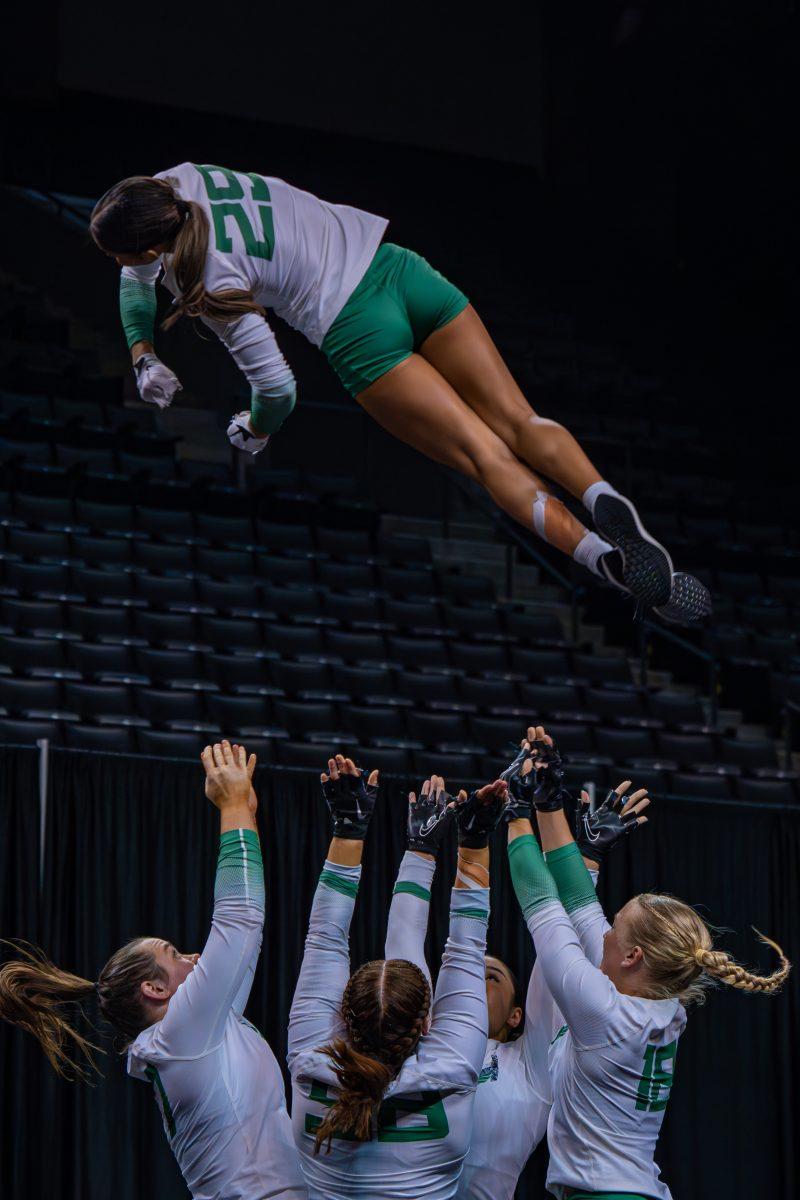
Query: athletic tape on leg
539	509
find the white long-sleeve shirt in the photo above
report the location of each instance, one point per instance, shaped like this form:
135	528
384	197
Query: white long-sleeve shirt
611	1064
215	1079
297	254
512	1101
423	1126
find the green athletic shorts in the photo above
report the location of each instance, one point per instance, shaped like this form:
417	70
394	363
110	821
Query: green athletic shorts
569	1194
400	301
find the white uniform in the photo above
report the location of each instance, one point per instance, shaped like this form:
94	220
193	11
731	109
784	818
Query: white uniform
611	1064
423	1126
512	1102
214	1077
297	254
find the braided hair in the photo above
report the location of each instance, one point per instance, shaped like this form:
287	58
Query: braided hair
679	954
384	1007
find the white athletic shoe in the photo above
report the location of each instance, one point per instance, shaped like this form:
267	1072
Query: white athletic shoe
241	435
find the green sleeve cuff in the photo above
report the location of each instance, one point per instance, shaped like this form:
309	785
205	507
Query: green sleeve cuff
407	886
533	883
240	868
574	883
237	837
267	413
137	308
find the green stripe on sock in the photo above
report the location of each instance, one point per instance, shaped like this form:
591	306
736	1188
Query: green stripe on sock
348	887
412	889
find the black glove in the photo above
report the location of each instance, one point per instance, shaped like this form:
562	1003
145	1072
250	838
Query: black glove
476	820
598	832
429	820
549	793
351	800
520	788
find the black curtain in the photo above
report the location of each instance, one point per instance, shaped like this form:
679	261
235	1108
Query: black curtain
131	846
19	918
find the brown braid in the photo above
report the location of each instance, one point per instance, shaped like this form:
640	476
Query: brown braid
384	1007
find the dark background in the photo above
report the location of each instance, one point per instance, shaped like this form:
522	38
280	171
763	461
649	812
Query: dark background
631	164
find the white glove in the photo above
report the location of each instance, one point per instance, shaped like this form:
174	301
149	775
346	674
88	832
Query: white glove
241	435
156	383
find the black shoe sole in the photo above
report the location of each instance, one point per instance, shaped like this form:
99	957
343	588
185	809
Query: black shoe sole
689	603
647	567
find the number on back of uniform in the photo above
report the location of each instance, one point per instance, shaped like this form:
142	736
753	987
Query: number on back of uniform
227	210
400	1118
656	1079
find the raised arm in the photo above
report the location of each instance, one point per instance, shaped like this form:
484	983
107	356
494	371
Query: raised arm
596	834
541	774
243	995
454	1048
542	1017
195	1019
315	1015
429	820
582	993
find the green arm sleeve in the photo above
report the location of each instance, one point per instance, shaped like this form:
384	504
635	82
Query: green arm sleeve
533	883
267	413
240	869
137	308
574	883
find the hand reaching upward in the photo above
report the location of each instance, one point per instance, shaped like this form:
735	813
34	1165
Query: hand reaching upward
479	813
598	832
350	796
429	817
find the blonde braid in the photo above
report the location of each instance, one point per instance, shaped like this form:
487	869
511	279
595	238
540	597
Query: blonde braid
678	952
719	965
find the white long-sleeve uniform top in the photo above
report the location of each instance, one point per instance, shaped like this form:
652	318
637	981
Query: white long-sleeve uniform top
423	1127
215	1079
611	1064
297	254
512	1102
